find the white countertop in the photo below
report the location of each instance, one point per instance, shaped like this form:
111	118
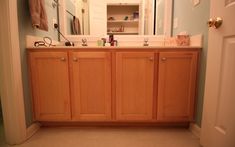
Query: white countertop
128	43
118	47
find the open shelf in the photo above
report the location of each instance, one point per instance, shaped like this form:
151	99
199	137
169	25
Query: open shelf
123	33
123	21
122	4
118	12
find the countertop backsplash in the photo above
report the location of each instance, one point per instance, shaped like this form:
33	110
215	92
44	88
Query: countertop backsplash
123	41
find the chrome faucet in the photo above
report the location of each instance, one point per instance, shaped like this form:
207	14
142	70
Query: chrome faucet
146	42
84	42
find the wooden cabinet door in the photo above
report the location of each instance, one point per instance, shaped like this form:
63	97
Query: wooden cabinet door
176	86
134	85
50	85
91	86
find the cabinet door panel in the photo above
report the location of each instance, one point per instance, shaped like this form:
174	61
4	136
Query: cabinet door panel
134	91
91	85
176	86
50	83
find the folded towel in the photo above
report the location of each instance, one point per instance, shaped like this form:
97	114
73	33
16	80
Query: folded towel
38	14
76	28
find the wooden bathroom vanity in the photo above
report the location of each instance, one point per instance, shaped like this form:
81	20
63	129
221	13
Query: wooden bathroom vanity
114	85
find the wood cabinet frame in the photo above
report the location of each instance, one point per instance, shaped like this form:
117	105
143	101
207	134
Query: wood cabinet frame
113	53
188	83
39	93
78	59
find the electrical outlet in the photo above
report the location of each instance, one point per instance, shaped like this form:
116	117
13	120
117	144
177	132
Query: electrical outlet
54	21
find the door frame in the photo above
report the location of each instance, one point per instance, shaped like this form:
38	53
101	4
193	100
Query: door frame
11	86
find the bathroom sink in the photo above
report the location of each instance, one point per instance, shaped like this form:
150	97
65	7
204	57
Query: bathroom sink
141	44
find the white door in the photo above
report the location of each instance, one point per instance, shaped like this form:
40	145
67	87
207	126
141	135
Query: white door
218	125
98	17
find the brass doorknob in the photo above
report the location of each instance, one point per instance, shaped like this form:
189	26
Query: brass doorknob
215	23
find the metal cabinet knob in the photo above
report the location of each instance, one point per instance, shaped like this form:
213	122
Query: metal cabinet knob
62	59
215	23
75	59
151	59
164	59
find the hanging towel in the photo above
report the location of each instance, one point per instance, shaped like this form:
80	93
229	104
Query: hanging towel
76	28
38	14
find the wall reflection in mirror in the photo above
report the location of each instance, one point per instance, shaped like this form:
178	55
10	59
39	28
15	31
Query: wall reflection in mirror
77	17
118	17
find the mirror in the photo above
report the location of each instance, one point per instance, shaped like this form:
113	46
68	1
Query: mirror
77	17
118	17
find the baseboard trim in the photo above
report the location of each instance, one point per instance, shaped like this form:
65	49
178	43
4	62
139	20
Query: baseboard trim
195	129
32	129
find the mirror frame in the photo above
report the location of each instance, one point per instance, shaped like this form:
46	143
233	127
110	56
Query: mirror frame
167	20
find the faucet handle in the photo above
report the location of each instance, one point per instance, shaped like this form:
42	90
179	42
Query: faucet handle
146	42
84	42
146	39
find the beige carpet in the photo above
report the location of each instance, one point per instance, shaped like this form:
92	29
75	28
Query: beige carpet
112	137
